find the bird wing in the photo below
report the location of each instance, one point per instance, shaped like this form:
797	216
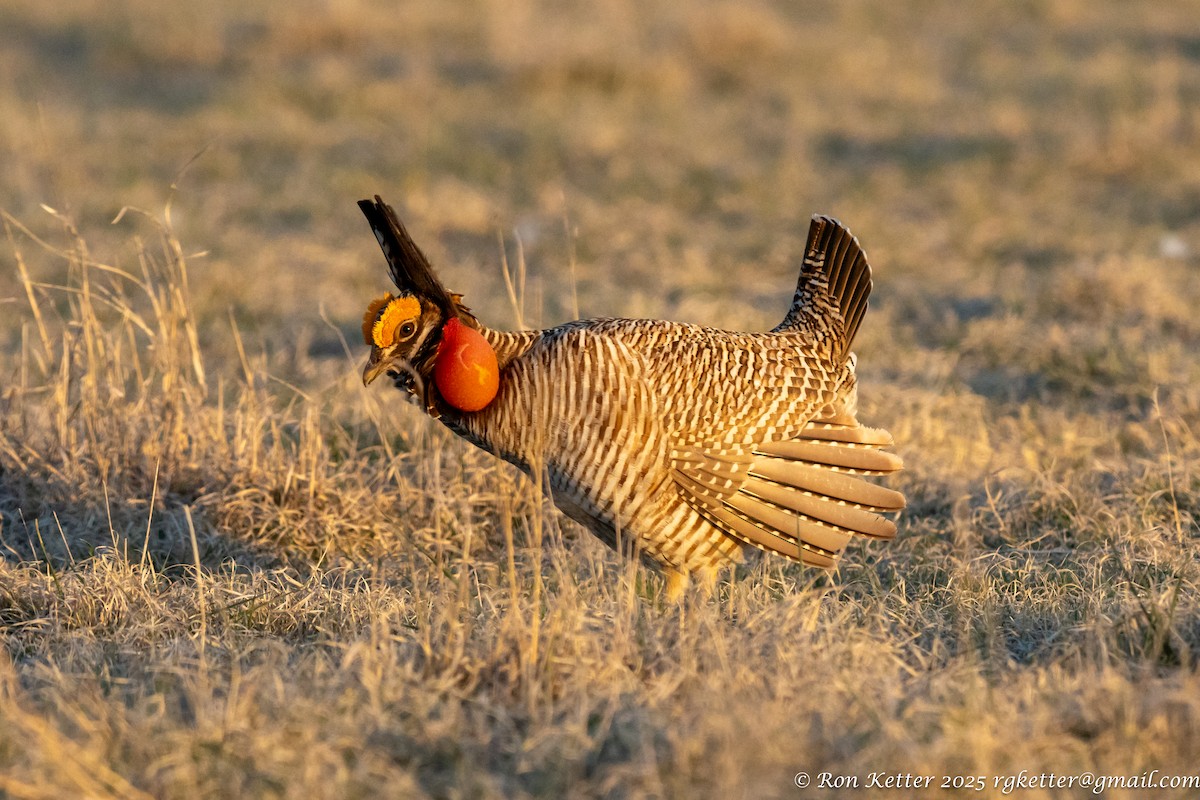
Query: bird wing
591	422
765	446
758	437
803	497
764	439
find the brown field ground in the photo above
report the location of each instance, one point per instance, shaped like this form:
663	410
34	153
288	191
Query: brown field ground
227	570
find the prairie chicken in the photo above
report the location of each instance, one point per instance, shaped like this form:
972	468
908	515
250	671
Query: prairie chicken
676	442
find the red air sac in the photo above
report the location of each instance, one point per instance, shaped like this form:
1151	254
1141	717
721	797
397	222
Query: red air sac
465	369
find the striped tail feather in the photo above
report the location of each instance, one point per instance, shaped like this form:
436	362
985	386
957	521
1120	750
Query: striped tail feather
805	498
833	258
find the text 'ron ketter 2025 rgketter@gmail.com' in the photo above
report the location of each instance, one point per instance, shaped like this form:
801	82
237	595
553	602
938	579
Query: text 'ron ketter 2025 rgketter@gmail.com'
1004	784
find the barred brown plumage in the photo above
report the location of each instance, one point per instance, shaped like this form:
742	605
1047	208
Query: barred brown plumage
673	441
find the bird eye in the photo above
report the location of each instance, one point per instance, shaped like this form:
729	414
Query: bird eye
407	329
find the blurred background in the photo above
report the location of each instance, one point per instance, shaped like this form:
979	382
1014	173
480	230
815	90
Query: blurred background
228	570
1025	176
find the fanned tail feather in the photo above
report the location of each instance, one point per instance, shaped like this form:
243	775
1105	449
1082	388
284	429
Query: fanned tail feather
806	497
833	257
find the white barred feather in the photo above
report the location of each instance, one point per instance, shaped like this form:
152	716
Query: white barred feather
683	443
693	441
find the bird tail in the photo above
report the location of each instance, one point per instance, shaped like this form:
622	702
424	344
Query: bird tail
805	498
835	273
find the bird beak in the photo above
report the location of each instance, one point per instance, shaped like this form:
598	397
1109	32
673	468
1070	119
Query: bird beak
374	368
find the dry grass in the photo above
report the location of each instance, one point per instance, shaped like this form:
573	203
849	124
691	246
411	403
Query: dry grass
226	570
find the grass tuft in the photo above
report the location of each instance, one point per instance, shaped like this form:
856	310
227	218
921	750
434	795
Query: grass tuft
228	570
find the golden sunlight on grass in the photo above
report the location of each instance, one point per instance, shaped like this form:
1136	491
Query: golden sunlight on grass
227	570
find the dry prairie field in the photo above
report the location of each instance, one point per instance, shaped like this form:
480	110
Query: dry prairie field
229	570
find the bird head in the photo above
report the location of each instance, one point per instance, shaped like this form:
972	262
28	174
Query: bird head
402	333
408	331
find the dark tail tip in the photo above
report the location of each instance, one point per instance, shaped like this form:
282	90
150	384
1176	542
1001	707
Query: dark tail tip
833	257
